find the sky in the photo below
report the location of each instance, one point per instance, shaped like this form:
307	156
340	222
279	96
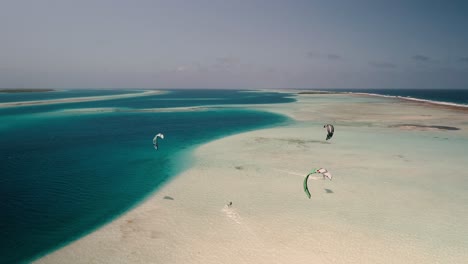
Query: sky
233	44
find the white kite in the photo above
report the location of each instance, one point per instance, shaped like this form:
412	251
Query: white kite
155	140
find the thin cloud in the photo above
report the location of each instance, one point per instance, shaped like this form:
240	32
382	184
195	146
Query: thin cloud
181	69
312	55
334	57
188	68
421	58
464	59
383	65
229	61
328	56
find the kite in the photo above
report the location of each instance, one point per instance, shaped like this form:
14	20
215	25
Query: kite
330	130
325	173
155	140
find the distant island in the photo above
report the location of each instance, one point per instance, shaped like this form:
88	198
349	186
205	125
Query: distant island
25	90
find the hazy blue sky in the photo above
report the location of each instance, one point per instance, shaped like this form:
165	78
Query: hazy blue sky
233	44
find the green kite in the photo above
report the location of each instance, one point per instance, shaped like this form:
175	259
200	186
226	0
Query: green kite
325	173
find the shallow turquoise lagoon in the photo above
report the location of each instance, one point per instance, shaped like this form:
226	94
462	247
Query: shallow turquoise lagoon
64	175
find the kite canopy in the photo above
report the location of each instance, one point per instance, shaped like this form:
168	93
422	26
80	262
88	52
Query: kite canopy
325	173
330	131
155	140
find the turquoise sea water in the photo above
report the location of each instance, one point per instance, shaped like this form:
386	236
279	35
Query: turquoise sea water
65	173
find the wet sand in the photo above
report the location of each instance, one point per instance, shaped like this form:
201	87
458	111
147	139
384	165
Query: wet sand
397	196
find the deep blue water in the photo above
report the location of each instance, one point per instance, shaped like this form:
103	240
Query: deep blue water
456	96
65	175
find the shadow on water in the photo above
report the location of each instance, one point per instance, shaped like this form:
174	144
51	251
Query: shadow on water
329	191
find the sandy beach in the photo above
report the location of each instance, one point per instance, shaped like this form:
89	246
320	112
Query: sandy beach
398	194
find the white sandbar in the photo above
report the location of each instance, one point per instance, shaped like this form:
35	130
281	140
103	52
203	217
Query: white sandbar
78	99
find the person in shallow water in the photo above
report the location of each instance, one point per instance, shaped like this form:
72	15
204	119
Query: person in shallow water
229	204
